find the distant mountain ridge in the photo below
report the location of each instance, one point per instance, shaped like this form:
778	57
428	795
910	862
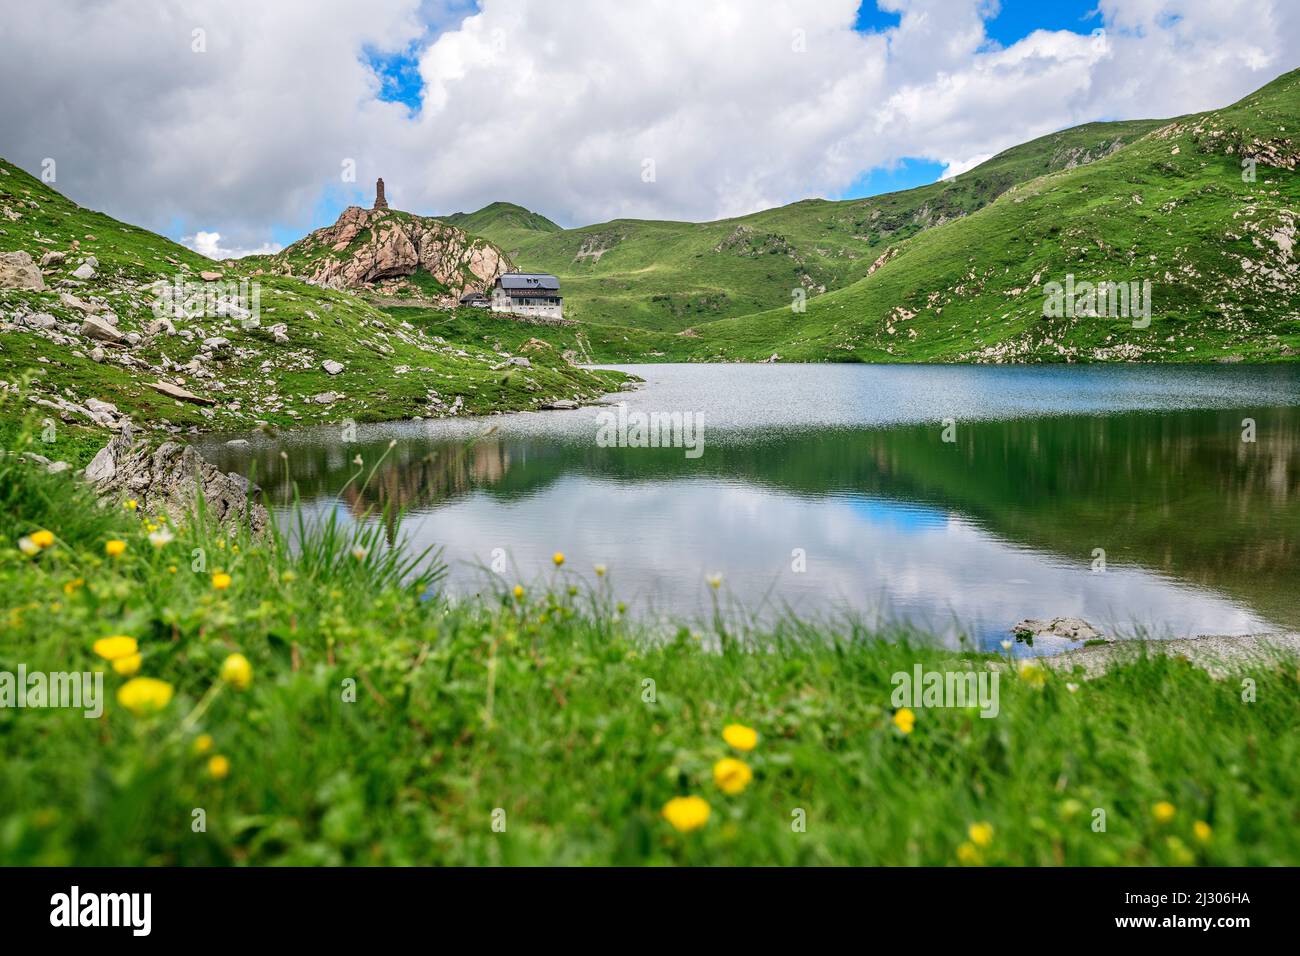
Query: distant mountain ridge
665	275
1200	207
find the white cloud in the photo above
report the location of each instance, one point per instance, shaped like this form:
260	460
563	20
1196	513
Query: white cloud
209	244
741	104
953	168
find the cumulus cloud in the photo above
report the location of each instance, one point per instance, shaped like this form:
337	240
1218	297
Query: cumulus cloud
209	244
583	110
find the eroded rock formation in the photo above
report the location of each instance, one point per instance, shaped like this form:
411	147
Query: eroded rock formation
368	246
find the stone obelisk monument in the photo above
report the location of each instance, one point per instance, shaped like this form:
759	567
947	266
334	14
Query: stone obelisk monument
380	201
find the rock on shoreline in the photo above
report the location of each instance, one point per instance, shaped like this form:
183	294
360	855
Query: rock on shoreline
170	478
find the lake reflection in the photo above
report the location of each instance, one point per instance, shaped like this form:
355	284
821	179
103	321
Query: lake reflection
846	465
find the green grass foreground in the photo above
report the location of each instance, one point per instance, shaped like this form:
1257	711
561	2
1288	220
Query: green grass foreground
533	713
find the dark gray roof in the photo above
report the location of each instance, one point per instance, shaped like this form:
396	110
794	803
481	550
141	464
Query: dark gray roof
529	280
473	297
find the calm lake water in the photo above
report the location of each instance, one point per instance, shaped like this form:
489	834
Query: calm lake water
844	471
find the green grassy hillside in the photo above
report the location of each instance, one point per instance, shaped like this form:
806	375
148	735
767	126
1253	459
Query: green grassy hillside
673	275
1175	208
273	372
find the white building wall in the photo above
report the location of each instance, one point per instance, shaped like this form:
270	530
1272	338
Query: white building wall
501	302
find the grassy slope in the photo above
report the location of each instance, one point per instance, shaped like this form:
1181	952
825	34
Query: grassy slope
536	707
671	275
1171	208
257	379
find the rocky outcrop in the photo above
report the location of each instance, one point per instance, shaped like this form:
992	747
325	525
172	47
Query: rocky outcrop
18	271
368	246
170	478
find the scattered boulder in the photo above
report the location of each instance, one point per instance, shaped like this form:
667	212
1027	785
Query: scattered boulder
18	271
175	391
86	270
325	398
52	259
72	302
331	366
94	328
209	276
519	361
38	320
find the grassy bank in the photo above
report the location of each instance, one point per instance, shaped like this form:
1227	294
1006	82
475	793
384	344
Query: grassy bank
383	725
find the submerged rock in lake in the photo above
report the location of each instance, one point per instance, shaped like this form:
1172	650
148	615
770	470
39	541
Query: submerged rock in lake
1057	629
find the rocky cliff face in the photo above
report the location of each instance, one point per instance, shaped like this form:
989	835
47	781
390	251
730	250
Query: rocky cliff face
379	248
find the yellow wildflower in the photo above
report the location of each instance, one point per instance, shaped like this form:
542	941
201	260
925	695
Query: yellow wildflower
218	767
904	719
130	504
114	547
968	855
558	558
1202	831
981	834
715	581
128	666
1163	811
237	672
115	647
1033	674
686	813
600	570
740	736
42	539
202	743
144	695
732	775
519	592
221	580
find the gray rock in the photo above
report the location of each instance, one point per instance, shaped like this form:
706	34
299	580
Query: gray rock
175	391
86	270
38	320
325	398
18	271
1060	628
519	361
97	405
53	258
331	366
170	478
72	302
94	328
